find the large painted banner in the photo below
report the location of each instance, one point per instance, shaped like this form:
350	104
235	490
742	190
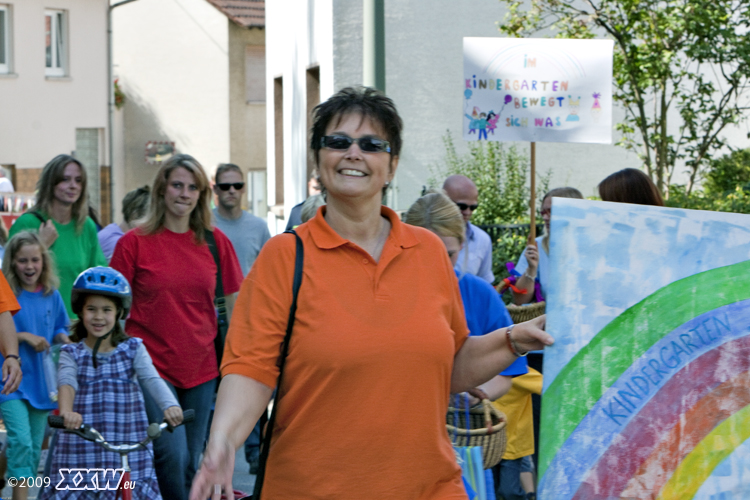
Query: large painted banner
647	389
548	90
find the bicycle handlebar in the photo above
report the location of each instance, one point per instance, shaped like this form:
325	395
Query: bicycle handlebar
90	434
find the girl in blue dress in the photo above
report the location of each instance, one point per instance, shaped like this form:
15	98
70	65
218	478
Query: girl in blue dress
41	321
98	380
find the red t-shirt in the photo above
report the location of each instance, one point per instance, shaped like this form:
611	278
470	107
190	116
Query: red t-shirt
173	281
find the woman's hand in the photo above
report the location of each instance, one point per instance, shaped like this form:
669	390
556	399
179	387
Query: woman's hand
38	343
48	233
72	419
532	257
216	470
530	335
173	415
11	375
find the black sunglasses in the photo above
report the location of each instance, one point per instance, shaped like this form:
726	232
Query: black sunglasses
464	206
224	186
366	144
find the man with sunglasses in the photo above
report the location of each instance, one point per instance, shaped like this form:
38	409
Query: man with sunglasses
247	232
476	254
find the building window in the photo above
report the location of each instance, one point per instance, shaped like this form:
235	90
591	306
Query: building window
255	73
4	39
54	30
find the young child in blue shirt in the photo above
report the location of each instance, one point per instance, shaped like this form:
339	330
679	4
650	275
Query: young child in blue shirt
41	321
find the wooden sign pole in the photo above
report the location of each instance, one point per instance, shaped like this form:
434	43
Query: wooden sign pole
532	197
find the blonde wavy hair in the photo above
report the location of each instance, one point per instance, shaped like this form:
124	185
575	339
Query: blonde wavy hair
52	175
436	212
200	217
48	278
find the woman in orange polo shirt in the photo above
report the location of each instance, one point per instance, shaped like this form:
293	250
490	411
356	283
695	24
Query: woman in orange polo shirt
379	342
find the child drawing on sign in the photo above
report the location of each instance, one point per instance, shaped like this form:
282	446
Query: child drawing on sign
492	119
573	104
482	125
596	109
473	120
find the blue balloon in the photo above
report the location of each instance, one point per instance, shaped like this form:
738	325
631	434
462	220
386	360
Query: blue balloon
467	93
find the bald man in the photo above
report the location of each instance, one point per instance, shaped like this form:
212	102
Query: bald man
476	255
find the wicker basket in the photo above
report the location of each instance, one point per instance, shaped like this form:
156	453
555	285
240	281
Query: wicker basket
486	428
519	314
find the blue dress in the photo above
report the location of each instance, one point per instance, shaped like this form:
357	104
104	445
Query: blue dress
111	401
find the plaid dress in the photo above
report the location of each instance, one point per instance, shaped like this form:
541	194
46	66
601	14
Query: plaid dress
110	400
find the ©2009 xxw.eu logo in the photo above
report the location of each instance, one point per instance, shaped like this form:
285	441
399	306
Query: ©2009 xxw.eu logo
93	480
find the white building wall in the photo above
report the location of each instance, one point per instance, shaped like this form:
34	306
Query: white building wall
39	115
298	36
424	66
171	58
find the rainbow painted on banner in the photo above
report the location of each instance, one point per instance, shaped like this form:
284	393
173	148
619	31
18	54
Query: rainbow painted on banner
657	399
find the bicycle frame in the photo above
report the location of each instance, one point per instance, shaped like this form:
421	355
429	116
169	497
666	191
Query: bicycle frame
88	433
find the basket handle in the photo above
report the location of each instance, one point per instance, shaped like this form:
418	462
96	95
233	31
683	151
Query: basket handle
486	405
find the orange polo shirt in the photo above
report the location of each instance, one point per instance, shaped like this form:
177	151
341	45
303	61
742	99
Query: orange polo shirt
367	380
8	301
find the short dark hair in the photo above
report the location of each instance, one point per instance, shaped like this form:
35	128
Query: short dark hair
135	204
369	103
226	167
630	185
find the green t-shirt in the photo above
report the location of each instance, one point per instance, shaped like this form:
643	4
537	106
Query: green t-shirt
72	251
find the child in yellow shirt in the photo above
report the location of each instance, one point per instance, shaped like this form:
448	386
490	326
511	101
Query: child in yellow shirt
516	481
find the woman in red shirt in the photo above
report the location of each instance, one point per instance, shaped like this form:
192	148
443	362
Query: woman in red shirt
173	275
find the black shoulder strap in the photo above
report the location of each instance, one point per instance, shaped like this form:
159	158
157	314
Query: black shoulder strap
209	235
219	300
298	268
38	215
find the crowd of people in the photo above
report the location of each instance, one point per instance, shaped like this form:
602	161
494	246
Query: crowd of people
136	310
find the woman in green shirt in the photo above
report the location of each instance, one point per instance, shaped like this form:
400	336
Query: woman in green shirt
61	217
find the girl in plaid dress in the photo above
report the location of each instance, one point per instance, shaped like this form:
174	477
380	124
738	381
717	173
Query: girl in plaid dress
98	384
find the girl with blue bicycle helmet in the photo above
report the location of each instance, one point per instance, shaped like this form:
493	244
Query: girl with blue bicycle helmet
98	383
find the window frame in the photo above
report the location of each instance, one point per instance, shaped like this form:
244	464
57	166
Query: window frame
5	67
57	33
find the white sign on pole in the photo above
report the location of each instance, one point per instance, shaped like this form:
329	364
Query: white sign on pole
537	90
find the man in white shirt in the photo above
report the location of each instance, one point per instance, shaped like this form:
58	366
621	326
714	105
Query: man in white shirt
476	255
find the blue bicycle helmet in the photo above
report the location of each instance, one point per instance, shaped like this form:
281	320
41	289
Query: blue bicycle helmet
101	281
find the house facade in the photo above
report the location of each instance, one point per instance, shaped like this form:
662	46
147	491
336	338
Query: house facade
193	78
53	90
315	47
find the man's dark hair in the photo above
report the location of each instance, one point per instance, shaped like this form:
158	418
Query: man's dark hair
226	167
